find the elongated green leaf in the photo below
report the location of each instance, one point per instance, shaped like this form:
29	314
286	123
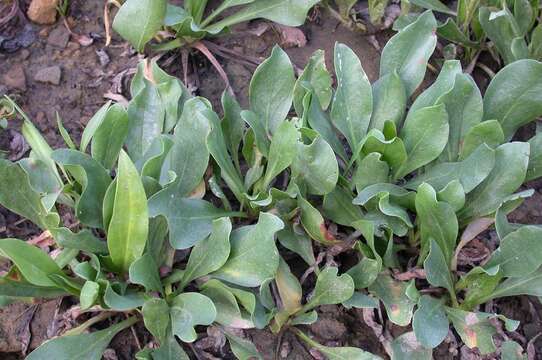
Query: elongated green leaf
389	101
370	170
233	125
393	150
534	169
313	222
242	348
34	264
435	5
514	96
83	240
437	269
474	329
188	310
118	299
282	151
210	254
18	289
93	125
272	86
89	294
339	208
297	241
316	79
228	311
330	289
94	180
353	101
392	293
139	20
254	256
84	346
408	51
429	322
289	288
337	353
527	285
425	135
487	132
110	135
129	225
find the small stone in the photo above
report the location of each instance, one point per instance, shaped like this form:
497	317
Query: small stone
59	37
49	75
25	54
15	78
43	11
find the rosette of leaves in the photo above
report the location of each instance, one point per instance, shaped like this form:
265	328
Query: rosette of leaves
509	29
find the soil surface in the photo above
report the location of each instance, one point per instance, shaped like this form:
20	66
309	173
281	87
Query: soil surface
49	71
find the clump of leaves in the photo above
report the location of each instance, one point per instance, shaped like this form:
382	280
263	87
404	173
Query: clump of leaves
509	29
405	187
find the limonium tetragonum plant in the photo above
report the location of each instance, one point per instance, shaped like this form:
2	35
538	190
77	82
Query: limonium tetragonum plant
359	169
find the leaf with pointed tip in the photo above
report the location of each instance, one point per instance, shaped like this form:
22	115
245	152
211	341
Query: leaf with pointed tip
110	136
389	101
534	169
392	293
288	288
408	51
338	207
227	300
83	240
313	222
330	289
17	289
126	301
189	310
254	256
361	301
338	353
527	285
89	294
93	125
242	348
282	151
475	329
353	101
393	150
316	79
429	322
233	125
437	269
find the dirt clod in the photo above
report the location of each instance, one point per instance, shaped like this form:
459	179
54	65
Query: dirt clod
49	75
59	37
15	78
43	11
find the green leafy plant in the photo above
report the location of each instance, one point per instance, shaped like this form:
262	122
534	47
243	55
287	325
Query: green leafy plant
509	29
353	171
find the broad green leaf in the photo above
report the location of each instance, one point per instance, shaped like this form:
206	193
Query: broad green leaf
282	151
144	271
313	222
514	96
316	166
189	157
389	101
330	289
527	285
254	256
365	272
434	5
512	350
437	269
210	254
129	225
535	46
407	347
353	100
83	240
93	125
370	170
377	9
517	255
511	160
437	220
94	180
534	170
465	110
195	8
288	287
479	285
110	136
393	150
242	348
487	132
125	301
189	220
392	293
316	79
23	199
450	31
408	51
88	346
146	114
19	289
272	86
361	301
285	12
474	329
189	310
42	180
470	172
156	318
226	300
453	194
32	262
429	322
139	20
152	162
297	241
338	207
89	294
425	135
397	193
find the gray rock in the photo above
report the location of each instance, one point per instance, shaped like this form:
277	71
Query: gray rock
59	37
49	75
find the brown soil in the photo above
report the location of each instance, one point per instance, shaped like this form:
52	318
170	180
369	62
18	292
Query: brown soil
89	72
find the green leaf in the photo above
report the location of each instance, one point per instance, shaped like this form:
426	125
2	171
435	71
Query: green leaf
370	170
517	255
487	132
338	207
169	349
514	96
474	329
316	166
139	20
337	353
534	170
512	350
272	86
450	31
146	113
429	322
17	289
88	346
437	221
93	125
254	256
535	46
425	135
210	254
437	269
110	136
527	285
297	241
470	172
316	79
23	199
353	100
511	160
89	294
392	293
282	151
389	101
144	271
189	157
32	262
189	310
408	51
128	300
313	222
242	348
129	225
393	150
195	8
226	300
152	162
365	272
434	5
233	125
94	180
289	288
156	317
330	289
83	240
361	301
407	347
